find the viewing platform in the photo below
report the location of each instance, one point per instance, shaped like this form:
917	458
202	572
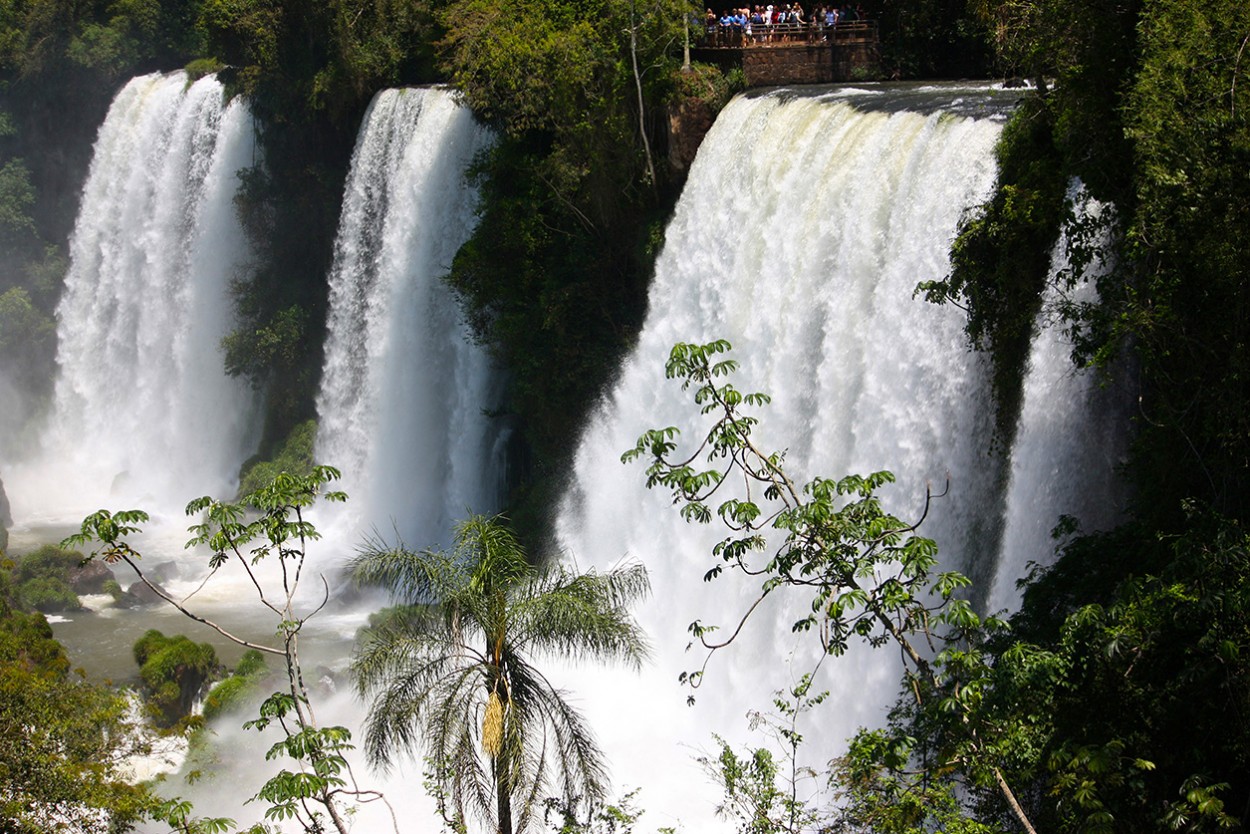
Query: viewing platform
794	53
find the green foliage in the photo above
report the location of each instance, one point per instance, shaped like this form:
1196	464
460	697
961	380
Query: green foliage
764	795
295	456
60	63
554	278
1148	108
201	67
1184	309
17	198
600	818
1001	259
707	83
309	70
873	799
1129	690
45	593
1112	702
251	664
322	747
41	579
231	694
450	671
242	33
860	572
174	671
267	524
61	739
177	813
868	573
27	340
326	56
930	38
553	294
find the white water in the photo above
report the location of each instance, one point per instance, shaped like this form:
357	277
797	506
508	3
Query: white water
1069	442
401	411
404	390
800	237
143	411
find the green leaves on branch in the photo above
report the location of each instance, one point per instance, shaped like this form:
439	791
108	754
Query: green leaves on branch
267	523
865	572
862	572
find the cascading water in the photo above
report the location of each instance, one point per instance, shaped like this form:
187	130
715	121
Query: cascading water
404	390
1069	438
802	232
800	237
403	401
143	411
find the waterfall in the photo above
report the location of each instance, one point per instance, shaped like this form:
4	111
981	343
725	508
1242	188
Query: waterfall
143	412
404	390
800	237
1069	440
403	401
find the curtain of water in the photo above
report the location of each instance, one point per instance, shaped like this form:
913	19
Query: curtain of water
402	406
404	390
1070	438
800	237
143	410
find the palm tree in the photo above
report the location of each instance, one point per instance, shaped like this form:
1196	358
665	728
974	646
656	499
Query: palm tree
449	670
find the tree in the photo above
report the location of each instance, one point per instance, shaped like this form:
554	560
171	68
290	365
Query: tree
762	794
867	574
268	523
63	740
450	669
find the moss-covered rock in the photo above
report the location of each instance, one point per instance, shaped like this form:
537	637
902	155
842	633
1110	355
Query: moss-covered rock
233	693
295	456
174	671
41	579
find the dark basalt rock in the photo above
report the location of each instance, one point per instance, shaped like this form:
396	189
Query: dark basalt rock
6	517
89	578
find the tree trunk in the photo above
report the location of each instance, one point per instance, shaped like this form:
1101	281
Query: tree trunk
642	112
1013	802
503	797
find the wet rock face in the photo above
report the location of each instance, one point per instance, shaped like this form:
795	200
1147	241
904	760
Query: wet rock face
89	578
688	122
138	594
6	517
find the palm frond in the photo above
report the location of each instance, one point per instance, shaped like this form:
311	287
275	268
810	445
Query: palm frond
472	787
549	718
584	615
411	576
533	788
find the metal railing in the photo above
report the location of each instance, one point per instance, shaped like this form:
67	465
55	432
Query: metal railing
716	36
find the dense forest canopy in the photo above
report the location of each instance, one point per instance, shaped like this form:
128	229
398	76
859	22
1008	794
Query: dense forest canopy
1120	700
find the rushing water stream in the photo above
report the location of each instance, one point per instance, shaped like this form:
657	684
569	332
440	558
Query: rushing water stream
800	236
404	392
143	411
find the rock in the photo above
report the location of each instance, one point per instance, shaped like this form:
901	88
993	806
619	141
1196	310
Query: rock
161	572
6	518
89	578
139	594
689	120
6	513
